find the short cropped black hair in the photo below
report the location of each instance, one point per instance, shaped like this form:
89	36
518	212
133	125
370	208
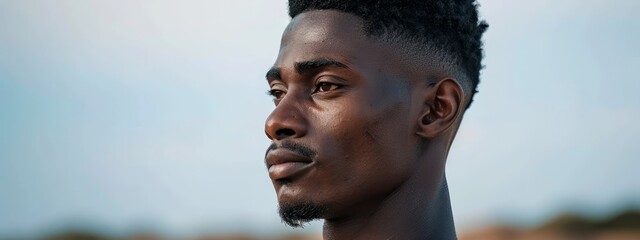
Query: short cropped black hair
448	26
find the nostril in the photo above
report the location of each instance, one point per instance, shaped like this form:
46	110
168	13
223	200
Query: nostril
285	132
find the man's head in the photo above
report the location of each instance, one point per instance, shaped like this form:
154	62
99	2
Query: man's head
368	94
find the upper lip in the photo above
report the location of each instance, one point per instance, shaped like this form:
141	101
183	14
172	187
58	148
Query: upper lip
283	155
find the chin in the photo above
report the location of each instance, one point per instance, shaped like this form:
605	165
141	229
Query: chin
299	200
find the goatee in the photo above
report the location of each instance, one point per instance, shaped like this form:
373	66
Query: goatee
296	215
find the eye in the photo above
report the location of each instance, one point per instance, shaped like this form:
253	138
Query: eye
326	86
277	94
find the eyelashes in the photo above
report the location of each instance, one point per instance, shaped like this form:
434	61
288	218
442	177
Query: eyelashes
275	93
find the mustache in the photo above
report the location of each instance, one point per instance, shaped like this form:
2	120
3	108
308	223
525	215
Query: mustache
294	147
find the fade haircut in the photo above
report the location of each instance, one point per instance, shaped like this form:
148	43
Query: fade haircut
447	31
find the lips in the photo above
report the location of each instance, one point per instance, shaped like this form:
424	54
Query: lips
283	163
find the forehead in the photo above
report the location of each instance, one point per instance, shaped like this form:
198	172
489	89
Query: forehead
320	25
324	33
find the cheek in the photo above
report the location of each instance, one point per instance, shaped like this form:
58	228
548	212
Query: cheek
383	150
380	126
366	146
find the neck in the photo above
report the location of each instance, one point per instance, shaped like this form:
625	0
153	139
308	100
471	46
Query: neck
419	209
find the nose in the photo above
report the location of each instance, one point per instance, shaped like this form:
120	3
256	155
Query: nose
286	121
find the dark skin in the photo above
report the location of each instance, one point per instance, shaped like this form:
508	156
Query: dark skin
378	126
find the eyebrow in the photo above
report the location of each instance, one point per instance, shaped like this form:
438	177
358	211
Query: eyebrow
273	73
306	66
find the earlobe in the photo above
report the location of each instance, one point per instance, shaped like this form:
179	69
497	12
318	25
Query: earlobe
441	108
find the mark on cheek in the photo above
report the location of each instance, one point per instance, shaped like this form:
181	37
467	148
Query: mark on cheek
385	122
371	130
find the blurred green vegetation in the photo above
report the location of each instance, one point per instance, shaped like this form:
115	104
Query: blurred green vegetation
568	226
628	220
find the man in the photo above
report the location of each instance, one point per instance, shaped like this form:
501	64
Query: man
369	96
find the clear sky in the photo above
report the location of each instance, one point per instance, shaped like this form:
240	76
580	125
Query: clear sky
150	114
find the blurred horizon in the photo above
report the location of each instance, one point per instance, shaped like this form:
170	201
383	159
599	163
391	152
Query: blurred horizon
620	226
128	115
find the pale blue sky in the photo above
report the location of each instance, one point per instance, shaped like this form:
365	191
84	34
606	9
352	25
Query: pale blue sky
136	114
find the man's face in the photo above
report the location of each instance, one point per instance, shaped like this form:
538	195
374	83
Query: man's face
343	129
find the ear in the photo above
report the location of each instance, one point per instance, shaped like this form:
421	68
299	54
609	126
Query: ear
442	107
